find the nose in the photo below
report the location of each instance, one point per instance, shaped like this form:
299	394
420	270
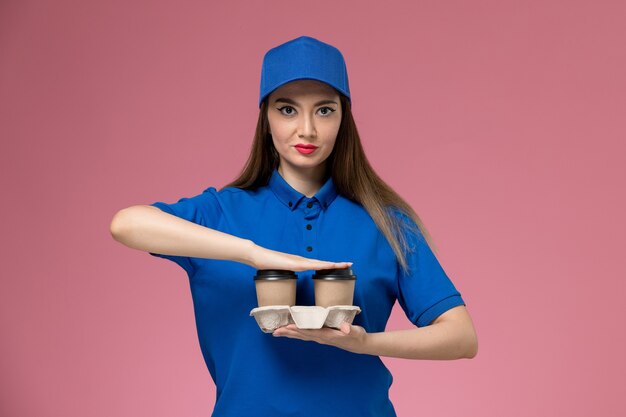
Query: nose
306	126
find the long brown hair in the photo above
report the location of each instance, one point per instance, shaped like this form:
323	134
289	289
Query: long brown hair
353	177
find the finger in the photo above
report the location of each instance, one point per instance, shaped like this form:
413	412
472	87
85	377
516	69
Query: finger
289	332
312	335
323	335
329	265
283	332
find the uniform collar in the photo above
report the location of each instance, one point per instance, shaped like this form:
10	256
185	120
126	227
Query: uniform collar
291	197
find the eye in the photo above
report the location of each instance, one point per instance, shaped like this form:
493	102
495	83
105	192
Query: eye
280	109
326	111
330	110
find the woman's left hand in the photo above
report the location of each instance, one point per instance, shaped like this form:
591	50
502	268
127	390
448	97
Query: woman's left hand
350	337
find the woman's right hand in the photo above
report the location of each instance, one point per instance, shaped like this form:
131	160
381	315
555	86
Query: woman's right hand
263	258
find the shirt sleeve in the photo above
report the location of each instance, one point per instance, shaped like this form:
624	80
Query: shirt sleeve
425	291
203	209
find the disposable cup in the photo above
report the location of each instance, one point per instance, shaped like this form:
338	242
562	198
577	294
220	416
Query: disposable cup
334	287
275	287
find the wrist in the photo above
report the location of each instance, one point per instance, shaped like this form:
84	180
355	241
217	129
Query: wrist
246	251
366	347
373	343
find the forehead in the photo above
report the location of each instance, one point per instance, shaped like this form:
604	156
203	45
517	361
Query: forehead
305	87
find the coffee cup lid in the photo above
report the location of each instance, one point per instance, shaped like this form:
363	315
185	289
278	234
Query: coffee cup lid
274	274
334	274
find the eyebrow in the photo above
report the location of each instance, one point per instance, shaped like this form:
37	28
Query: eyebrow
290	101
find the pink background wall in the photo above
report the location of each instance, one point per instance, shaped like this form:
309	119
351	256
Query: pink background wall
502	123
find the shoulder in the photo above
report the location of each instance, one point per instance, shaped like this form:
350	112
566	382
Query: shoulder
233	197
225	193
400	217
407	226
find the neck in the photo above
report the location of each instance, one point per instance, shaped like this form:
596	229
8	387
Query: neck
307	181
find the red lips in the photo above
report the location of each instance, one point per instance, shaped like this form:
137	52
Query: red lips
305	146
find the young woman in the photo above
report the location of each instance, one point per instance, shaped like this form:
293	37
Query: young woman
306	195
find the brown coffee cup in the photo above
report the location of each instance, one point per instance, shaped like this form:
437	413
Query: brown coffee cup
275	287
334	287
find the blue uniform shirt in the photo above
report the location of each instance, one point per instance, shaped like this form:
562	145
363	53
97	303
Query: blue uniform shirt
257	374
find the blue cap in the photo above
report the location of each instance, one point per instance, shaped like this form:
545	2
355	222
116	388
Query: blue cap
303	58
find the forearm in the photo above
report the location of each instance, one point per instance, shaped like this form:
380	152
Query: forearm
150	229
438	341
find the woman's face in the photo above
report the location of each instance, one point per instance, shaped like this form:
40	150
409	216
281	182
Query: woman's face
304	112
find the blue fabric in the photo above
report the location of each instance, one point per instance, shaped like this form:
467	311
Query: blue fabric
257	374
303	58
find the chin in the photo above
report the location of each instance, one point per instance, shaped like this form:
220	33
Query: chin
308	163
